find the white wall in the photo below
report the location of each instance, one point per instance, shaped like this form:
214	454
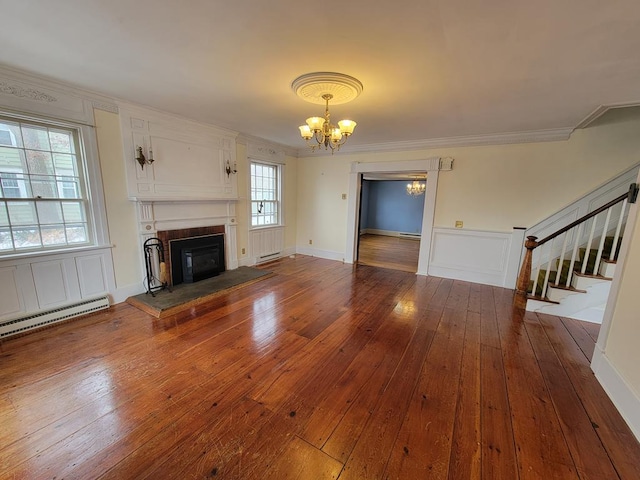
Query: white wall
616	360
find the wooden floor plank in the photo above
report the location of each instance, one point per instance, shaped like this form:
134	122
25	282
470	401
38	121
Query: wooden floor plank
423	445
464	461
498	456
608	424
589	456
580	335
315	372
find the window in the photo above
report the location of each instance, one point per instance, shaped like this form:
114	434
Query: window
43	199
265	194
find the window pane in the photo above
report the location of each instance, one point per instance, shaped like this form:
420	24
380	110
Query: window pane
44	187
13	185
65	164
77	233
61	141
35	137
22	213
4	216
10	134
73	212
53	235
5	239
11	160
40	163
49	212
68	189
27	237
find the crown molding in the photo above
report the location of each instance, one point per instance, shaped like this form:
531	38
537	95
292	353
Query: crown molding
601	110
553	135
50	93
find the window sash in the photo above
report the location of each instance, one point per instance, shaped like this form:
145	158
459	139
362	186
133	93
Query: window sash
265	194
43	196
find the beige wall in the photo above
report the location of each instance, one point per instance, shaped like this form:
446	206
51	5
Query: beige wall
290	200
121	213
624	333
490	187
242	207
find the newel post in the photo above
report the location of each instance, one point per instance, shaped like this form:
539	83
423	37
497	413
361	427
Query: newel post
520	299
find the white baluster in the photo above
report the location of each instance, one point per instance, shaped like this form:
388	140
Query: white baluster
561	259
535	279
588	250
546	276
616	237
576	244
603	237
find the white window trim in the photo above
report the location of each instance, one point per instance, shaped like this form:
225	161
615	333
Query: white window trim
280	175
96	209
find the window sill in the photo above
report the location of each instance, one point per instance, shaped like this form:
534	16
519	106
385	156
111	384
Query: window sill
57	251
266	227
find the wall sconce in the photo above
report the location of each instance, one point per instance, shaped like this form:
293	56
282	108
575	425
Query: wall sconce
141	159
229	170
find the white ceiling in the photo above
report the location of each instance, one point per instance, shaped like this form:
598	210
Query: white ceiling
430	68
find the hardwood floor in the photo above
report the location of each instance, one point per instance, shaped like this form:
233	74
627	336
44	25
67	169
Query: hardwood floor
384	251
321	371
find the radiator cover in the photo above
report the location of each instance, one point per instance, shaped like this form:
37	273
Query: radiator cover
49	317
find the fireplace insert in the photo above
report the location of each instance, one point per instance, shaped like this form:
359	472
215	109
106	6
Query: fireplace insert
197	258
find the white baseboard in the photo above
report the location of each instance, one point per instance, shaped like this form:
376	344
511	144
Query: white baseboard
327	254
251	261
389	233
122	293
626	400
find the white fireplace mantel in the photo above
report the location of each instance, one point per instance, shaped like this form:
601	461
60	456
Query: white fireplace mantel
172	214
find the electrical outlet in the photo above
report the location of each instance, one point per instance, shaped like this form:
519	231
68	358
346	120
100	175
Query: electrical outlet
310	242
458	223
244	251
344	196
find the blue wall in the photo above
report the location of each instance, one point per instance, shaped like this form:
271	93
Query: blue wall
385	205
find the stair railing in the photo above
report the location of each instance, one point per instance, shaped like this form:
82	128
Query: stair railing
578	228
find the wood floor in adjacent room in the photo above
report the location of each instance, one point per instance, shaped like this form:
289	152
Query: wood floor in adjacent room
321	371
385	251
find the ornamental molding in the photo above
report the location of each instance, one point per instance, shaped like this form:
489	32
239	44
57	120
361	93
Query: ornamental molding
30	93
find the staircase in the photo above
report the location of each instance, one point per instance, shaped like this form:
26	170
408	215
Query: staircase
573	272
574	294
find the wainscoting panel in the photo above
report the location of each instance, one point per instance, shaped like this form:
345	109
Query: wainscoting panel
52	286
475	256
10	301
91	275
49	280
266	243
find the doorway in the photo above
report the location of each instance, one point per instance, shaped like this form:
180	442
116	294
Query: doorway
390	221
431	167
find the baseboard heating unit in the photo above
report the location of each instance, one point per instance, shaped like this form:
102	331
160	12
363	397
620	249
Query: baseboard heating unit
48	317
266	258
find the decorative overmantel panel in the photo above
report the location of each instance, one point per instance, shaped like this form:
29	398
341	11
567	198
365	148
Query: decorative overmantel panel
190	159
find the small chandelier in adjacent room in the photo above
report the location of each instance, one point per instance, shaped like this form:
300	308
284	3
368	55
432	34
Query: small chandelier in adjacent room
320	88
416	188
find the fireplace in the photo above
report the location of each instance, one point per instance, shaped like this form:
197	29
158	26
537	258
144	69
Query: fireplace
194	254
197	258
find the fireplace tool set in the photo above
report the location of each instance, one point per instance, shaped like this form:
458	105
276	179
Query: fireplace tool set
153	249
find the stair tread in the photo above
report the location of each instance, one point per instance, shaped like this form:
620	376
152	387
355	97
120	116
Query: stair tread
563	287
541	299
589	275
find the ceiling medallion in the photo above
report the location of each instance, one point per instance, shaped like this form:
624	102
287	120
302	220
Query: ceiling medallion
320	88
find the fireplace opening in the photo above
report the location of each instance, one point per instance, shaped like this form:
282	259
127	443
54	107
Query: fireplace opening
197	258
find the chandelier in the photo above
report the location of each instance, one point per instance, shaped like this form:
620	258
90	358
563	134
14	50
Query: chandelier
320	88
416	188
